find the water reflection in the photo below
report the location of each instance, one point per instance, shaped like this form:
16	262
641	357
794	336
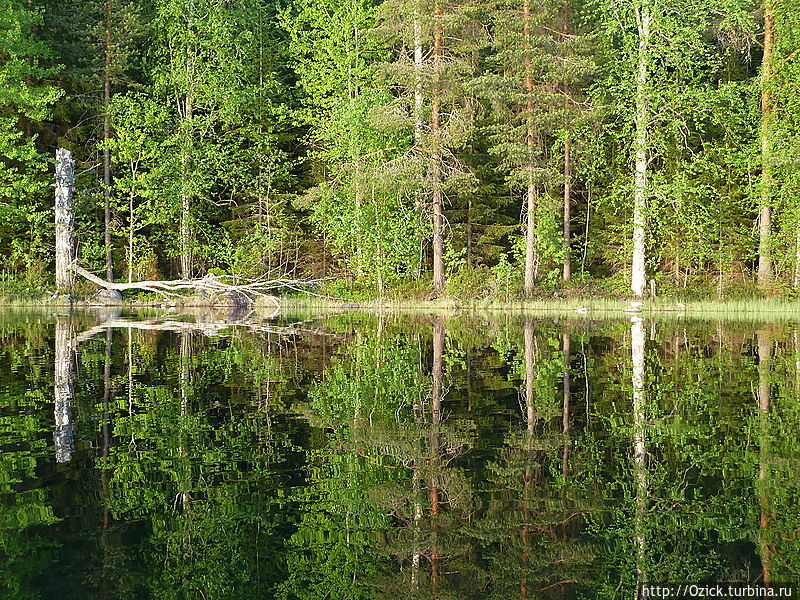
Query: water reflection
380	456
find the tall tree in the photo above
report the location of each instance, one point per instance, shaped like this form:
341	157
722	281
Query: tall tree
434	43
534	63
765	139
25	100
663	73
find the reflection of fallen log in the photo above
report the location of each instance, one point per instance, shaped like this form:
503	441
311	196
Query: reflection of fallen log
208	328
235	294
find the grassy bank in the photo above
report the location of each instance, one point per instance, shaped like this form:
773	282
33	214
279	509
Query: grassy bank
761	308
730	309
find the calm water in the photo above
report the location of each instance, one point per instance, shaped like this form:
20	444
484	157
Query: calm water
360	457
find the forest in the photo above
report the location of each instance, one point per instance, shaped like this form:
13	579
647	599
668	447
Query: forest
392	458
410	148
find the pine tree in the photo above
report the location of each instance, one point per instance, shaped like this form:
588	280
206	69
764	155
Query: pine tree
434	46
534	62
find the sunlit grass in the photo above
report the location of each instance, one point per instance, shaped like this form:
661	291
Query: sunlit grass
750	309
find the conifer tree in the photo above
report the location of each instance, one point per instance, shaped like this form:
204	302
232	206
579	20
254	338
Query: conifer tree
434	45
534	62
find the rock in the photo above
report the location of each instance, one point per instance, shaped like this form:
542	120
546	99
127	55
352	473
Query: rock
104	296
237	299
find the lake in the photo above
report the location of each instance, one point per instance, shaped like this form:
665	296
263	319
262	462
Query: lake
390	456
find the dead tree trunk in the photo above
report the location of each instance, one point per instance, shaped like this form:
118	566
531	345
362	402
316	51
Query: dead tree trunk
65	220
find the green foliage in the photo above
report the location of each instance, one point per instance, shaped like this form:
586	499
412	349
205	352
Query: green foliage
311	137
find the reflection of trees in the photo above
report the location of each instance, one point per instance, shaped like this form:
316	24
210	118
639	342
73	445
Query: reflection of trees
413	486
393	432
764	346
639	444
776	447
198	473
26	417
534	511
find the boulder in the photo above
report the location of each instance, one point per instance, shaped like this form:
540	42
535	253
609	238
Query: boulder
105	296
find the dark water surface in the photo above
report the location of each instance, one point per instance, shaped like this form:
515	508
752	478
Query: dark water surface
361	456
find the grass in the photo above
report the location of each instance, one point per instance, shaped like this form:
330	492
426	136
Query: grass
750	309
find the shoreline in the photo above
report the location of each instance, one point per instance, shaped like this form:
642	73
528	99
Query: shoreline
577	308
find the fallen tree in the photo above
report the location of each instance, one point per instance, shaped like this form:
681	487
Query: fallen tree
235	294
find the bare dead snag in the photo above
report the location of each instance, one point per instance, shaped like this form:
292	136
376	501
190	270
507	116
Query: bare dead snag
65	219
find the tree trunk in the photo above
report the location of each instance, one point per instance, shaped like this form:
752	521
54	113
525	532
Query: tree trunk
765	210
106	138
186	203
797	259
436	157
63	436
567	271
419	128
643	22
567	206
530	194
64	220
131	231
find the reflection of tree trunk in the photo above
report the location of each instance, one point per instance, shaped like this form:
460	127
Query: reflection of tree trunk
565	409
530	375
527	475
63	436
417	484
437	373
639	443
415	557
764	366
106	446
186	351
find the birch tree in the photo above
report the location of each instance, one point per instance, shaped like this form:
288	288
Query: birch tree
658	87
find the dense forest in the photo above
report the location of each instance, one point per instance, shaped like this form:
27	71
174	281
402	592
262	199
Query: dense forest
418	148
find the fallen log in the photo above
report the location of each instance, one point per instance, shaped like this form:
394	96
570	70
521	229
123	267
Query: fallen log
210	284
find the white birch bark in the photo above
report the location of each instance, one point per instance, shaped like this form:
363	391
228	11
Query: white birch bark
642	117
